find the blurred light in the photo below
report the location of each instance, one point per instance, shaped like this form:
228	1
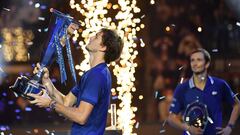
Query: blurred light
43	7
115	97
152	2
142	44
162	131
162	97
48	109
29	132
37	5
28	56
142	16
7	9
199	29
15	43
182	79
140	97
238	23
214	50
10	102
30	2
137	125
230	27
17	111
46	131
46	30
4	94
180	68
18	117
167	29
2	128
30	43
28	109
54	80
35	130
41	18
33	65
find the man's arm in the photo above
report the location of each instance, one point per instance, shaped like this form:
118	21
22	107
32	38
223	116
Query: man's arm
234	116
67	100
79	115
235	112
174	121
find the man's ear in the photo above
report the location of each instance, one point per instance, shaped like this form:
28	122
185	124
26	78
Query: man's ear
103	48
207	65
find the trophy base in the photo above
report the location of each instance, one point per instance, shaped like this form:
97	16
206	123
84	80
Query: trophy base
24	86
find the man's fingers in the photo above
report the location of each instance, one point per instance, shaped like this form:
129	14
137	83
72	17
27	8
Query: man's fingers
38	104
36	68
38	65
40	93
33	95
220	130
200	131
34	101
45	70
73	25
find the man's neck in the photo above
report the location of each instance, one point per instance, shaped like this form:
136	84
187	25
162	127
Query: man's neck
200	80
95	60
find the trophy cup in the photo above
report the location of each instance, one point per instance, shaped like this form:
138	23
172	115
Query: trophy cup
196	115
57	30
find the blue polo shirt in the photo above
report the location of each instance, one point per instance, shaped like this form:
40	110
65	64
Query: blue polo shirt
94	88
216	92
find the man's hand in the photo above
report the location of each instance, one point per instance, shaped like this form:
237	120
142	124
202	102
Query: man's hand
195	131
41	100
224	131
45	78
72	27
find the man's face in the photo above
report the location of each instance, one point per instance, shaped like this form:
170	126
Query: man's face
198	63
95	43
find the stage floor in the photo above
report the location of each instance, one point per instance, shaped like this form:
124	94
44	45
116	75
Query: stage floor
64	129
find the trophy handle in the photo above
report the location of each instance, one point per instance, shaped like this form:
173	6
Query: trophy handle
38	76
63	15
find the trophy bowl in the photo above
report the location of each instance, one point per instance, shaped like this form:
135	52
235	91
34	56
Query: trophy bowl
23	86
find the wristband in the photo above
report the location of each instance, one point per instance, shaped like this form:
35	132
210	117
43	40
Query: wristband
231	126
52	105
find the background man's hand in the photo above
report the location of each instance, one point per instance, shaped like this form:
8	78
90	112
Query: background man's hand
195	131
72	27
224	131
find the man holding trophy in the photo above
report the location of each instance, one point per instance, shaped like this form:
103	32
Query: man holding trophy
88	101
199	100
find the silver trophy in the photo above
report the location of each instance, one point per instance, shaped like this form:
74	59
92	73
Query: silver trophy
57	30
196	114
